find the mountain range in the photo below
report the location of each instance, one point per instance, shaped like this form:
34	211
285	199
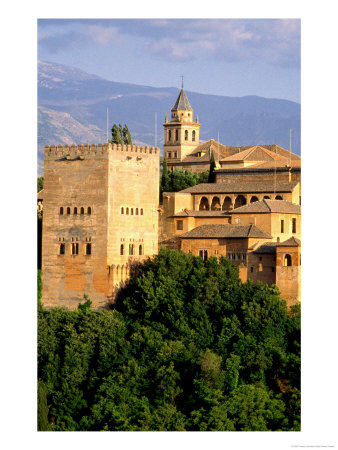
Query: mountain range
73	106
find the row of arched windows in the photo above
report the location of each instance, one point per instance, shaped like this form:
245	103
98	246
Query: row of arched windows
237	256
227	203
130	211
76	210
74	247
131	249
172	133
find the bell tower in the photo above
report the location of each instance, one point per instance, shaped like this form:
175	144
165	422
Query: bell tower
181	134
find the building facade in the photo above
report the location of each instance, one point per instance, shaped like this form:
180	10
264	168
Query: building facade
100	215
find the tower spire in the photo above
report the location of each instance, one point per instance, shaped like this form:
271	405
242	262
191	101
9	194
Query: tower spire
182	81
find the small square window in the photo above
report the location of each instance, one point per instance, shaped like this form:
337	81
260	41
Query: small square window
179	225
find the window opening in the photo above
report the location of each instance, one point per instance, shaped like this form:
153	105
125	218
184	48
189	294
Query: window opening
179	225
287	260
75	248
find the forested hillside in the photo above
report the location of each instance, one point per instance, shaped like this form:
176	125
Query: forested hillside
187	346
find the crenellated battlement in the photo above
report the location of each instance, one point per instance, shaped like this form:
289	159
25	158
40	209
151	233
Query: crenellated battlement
81	151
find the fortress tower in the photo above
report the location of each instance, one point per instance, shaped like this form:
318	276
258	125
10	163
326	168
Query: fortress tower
100	216
181	134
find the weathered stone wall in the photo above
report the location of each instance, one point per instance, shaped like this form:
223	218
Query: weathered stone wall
262	268
104	179
288	277
247	175
71	182
133	196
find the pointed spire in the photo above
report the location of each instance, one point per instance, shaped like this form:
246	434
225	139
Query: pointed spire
182	103
166	118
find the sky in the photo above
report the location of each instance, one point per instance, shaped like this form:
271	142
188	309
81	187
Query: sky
231	57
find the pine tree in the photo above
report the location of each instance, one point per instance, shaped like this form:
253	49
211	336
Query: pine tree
165	186
126	135
211	178
115	135
120	135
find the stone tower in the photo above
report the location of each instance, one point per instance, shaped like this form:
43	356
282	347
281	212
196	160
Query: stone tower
100	216
181	134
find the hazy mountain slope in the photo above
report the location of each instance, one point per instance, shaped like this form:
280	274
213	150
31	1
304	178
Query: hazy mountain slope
74	110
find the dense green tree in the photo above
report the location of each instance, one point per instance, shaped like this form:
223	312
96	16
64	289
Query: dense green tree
212	176
120	135
115	135
40	183
177	180
39	289
164	185
187	346
43	423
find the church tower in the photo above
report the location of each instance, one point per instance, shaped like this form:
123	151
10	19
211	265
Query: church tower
181	134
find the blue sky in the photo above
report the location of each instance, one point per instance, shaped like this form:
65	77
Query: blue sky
233	57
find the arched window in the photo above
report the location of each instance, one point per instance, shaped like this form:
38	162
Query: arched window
287	260
88	249
68	210
141	211
193	135
132	211
169	135
176	135
204	204
131	249
253	199
278	197
122	210
140	249
240	201
89	210
127	211
61	210
226	204
122	249
266	197
75	210
216	204
61	249
136	211
186	136
82	210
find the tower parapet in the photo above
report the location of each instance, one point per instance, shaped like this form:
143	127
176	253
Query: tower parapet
81	151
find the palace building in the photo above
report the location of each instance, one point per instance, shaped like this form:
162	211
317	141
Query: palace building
101	213
251	214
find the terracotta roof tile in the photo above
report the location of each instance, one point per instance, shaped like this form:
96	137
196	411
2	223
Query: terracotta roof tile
237	188
256	153
226	231
267	206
